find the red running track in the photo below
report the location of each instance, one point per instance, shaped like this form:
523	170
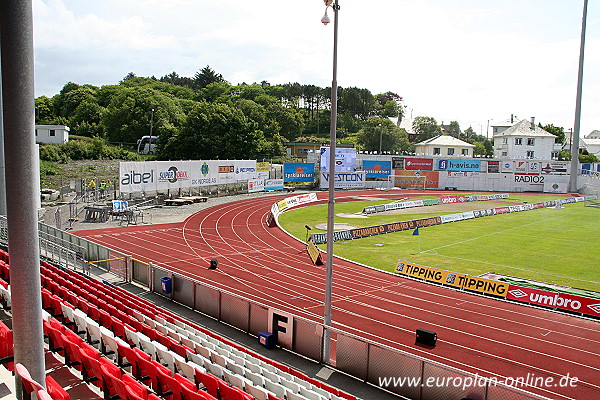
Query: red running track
477	334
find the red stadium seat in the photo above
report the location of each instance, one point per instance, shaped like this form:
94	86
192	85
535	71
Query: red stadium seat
112	385
147	370
56	391
210	382
6	346
168	387
29	385
134	389
91	365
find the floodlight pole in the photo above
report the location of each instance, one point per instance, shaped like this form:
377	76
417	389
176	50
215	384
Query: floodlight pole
16	25
331	198
575	141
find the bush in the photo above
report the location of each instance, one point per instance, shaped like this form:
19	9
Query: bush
96	149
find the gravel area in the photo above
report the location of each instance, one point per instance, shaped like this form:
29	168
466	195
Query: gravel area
154	215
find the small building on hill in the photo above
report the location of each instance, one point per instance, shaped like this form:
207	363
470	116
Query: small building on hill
444	145
54	134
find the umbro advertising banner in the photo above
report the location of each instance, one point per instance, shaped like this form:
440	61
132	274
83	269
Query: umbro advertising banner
563	301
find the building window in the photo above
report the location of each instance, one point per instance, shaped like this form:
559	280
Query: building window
530	142
504	154
530	154
555	154
504	140
436	151
36	132
518	141
465	152
52	132
450	151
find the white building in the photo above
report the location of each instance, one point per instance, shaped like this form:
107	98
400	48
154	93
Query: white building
524	140
444	145
55	134
591	142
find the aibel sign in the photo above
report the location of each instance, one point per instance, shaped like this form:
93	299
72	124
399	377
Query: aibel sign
137	178
344	180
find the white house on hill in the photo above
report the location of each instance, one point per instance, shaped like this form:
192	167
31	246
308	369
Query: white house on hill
444	145
524	139
591	142
55	134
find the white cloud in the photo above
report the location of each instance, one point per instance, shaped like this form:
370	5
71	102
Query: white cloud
451	60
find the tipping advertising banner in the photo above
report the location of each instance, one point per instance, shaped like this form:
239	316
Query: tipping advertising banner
429	274
473	283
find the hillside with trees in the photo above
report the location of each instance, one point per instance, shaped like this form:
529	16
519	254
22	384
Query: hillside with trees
204	116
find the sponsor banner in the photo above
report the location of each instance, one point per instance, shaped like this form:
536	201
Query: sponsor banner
320	238
298	172
245	169
534	167
205	173
313	252
431	202
404	204
555	167
137	176
532	179
286	203
273	184
428	274
429	179
501	210
467	282
520	167
482	285
486	197
459	165
493	167
394	227
397	162
563	301
377	169
256	185
263	166
173	174
507	167
453	199
345	159
344	180
418	164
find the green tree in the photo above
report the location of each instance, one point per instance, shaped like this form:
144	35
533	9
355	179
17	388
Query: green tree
586	158
206	76
425	128
454	129
215	131
381	132
557	131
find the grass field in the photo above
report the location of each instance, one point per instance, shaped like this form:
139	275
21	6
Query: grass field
549	245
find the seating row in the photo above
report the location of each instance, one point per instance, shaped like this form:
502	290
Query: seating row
183	350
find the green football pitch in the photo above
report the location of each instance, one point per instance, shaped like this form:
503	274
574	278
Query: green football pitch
548	245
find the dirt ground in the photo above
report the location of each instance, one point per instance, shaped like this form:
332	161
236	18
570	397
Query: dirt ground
82	169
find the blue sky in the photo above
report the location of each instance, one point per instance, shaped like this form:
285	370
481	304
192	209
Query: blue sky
472	61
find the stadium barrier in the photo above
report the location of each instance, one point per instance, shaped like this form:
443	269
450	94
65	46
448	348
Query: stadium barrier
320	238
359	357
74	252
